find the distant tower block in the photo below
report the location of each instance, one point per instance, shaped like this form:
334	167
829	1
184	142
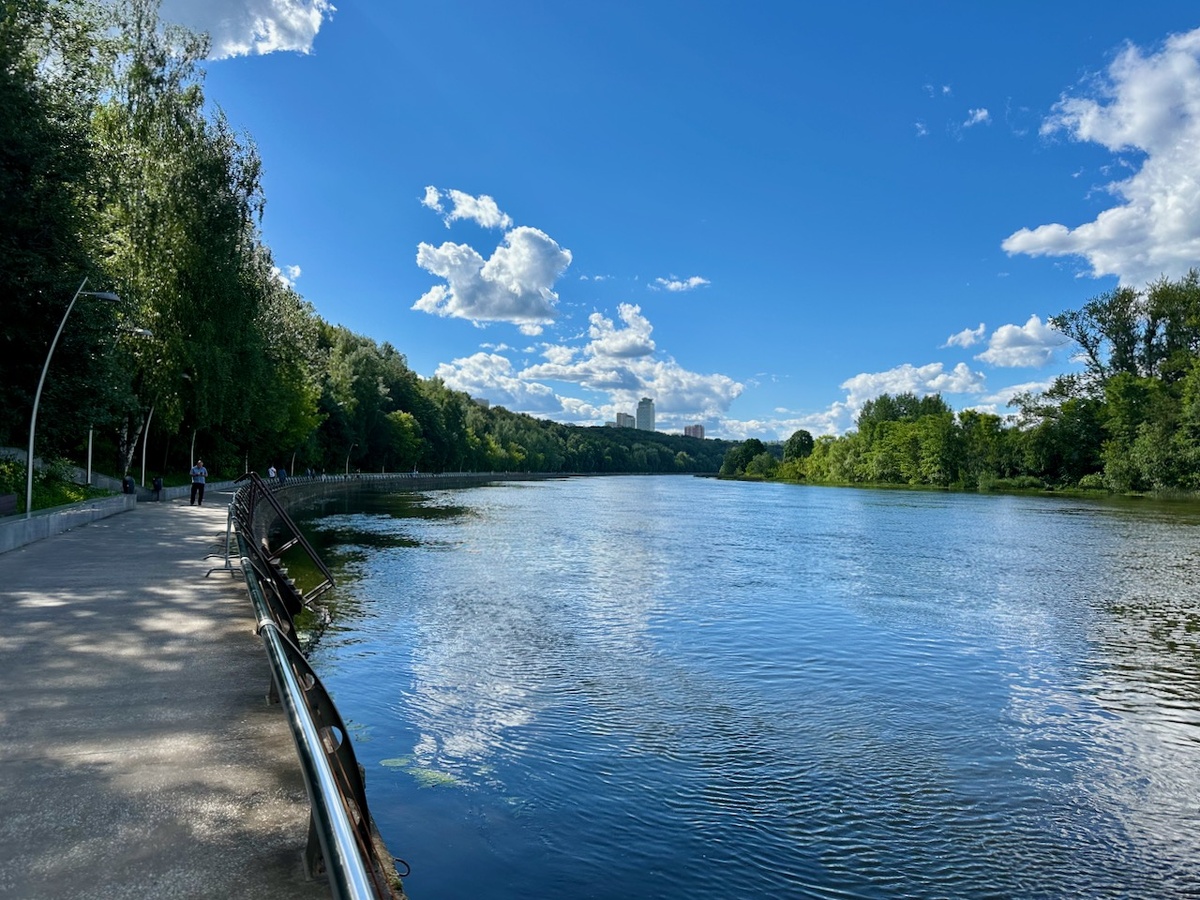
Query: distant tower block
696	431
645	414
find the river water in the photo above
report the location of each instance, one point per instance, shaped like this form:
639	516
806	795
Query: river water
671	687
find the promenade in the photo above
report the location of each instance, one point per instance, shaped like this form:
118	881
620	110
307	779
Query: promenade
138	757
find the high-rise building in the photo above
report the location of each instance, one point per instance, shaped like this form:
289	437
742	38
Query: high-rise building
625	420
696	431
645	414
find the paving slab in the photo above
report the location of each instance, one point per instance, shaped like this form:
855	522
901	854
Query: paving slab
138	755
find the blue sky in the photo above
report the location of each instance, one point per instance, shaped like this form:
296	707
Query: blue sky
761	214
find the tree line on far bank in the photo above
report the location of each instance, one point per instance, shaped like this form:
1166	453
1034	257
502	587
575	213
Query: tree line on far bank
115	166
1128	422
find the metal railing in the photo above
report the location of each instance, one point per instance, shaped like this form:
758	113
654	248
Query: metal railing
342	843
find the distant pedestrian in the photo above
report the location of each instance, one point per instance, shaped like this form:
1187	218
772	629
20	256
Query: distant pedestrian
198	473
282	476
271	472
158	486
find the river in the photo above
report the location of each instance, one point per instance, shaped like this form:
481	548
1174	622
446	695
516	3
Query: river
672	687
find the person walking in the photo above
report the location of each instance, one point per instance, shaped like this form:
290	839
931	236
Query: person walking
198	473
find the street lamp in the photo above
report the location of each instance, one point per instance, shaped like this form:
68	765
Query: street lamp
348	452
145	441
80	292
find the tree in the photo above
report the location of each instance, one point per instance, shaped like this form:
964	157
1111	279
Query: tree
738	457
798	446
762	465
47	234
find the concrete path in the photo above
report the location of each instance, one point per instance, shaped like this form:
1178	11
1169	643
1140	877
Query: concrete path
138	757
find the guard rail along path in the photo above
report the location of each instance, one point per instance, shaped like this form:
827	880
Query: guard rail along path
343	843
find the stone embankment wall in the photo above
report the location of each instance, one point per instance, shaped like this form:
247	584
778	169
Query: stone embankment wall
298	491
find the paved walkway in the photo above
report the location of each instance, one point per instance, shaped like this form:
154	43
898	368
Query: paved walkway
138	756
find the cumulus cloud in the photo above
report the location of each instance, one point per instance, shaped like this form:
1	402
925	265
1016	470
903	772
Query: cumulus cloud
1148	105
1004	396
920	380
432	199
681	284
614	368
513	285
631	341
968	337
251	27
482	210
1032	344
491	376
558	354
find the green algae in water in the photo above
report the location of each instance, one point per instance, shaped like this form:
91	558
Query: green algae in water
424	777
433	778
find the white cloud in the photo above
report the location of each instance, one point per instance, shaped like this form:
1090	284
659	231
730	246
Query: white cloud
251	27
922	131
685	284
482	210
1032	344
557	354
840	416
621	343
977	117
611	371
432	199
491	376
1002	396
286	276
968	337
920	380
513	285
1148	105
837	419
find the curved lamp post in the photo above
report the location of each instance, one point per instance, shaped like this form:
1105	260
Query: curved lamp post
348	452
145	441
80	292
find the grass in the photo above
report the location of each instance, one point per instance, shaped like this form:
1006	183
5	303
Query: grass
52	484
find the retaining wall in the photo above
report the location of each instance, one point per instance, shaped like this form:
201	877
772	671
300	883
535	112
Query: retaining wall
17	531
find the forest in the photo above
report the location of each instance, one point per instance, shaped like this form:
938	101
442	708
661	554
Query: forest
115	168
1127	422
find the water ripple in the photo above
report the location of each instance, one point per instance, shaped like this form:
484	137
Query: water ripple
679	688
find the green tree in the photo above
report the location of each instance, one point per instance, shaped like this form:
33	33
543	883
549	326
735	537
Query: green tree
49	54
739	456
762	465
798	446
